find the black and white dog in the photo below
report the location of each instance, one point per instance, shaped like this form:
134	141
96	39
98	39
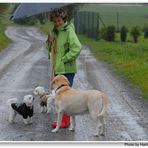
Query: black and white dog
25	109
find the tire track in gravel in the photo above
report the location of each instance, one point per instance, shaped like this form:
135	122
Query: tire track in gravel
124	121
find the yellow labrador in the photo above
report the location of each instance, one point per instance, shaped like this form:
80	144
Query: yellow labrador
75	102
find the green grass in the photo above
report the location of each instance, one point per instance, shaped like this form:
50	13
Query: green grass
45	28
129	15
4	22
4	40
128	59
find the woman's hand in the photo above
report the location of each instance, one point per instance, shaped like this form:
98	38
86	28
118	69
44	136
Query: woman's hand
50	38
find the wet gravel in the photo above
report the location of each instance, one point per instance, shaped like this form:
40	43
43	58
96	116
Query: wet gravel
24	65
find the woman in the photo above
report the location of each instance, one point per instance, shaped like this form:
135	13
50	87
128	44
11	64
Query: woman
64	46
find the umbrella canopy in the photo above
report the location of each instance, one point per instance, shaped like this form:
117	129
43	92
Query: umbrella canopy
29	9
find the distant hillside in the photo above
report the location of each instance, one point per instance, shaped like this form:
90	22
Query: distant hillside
128	14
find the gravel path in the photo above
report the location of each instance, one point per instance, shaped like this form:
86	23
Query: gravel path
24	65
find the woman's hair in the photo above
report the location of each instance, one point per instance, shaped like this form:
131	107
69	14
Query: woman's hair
60	12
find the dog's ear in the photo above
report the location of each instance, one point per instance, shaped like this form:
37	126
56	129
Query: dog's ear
52	82
65	79
58	80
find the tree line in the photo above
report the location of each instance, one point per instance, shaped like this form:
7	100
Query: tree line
108	33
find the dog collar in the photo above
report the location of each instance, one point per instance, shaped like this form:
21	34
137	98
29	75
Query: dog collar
60	87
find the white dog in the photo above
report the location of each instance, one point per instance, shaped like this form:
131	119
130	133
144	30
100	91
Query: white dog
74	102
43	97
50	104
25	109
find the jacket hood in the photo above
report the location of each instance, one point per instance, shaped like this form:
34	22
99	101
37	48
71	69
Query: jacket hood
67	25
70	25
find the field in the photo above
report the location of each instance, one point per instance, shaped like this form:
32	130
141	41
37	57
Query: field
129	60
127	14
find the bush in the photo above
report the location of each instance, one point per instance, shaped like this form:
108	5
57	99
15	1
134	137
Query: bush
146	33
145	30
26	21
3	7
110	33
145	27
135	32
123	33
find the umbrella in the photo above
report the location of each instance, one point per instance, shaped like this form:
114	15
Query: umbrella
29	9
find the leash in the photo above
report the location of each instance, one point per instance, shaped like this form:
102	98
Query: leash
52	62
54	48
54	53
53	58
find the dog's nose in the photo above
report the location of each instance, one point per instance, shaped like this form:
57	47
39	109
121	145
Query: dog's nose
33	98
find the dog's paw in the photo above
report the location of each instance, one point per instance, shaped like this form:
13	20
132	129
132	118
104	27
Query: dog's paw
71	129
102	134
98	135
25	121
48	112
42	109
30	122
45	109
54	130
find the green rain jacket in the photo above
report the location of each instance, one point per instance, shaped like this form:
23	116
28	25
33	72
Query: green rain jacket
68	48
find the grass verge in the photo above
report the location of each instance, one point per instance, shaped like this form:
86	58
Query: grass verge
4	40
128	59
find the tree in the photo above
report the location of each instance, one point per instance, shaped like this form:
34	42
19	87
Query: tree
145	30
146	33
71	8
135	32
123	33
110	33
3	7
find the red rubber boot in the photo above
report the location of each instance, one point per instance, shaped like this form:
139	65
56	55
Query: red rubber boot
65	122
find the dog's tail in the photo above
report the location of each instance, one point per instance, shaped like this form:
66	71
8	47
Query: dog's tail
10	101
104	106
